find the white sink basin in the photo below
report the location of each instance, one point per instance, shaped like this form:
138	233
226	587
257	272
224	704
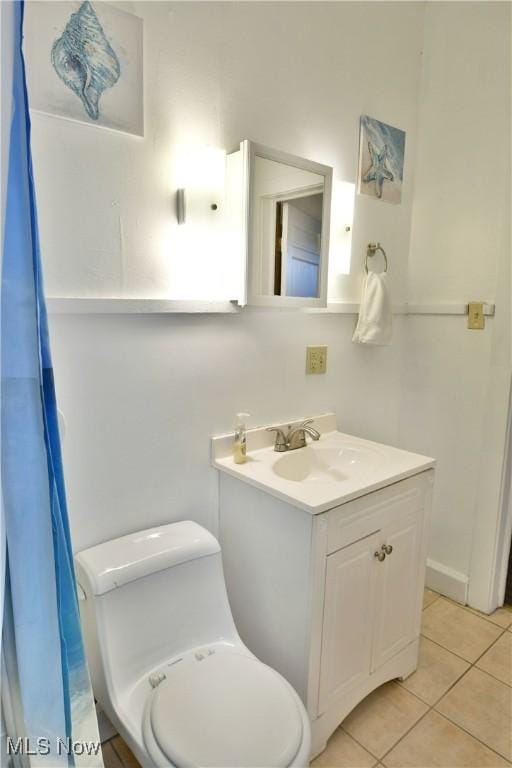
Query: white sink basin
324	474
319	463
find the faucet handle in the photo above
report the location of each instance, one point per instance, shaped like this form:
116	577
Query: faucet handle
315	434
280	443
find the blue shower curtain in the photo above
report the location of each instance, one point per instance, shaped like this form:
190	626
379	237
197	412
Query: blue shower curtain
46	692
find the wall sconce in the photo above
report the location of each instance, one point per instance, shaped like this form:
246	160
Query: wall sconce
181	206
181	210
200	173
341	227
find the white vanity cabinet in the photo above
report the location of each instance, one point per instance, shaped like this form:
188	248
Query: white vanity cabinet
331	600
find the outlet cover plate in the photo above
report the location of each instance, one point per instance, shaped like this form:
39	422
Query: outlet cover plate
476	318
316	359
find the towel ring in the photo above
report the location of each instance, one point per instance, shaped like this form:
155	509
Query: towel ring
371	251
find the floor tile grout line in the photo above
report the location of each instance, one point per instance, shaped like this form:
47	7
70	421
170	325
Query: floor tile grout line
407	732
379	759
497	626
485	616
107	741
489	674
448	650
456	654
474	612
117	753
357	742
477	738
478	669
481	657
491	645
492	623
431	602
452	685
456	725
432	707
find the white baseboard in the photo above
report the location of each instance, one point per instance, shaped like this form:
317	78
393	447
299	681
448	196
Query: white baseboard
447	582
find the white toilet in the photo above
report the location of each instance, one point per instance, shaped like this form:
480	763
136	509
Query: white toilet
166	661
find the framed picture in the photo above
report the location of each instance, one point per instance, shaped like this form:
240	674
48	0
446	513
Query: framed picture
381	160
84	63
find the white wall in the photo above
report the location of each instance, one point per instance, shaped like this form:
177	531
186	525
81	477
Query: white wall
455	385
141	395
295	76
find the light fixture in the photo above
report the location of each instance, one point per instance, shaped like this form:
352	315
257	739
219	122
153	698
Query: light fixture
181	210
200	175
341	227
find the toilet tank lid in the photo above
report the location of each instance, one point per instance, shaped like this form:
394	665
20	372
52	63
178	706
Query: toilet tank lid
120	561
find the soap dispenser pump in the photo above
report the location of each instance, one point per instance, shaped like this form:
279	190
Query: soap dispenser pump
240	442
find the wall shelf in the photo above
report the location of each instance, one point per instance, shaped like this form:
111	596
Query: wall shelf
109	306
118	306
456	308
447	309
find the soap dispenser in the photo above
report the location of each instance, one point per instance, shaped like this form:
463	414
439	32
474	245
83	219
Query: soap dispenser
240	442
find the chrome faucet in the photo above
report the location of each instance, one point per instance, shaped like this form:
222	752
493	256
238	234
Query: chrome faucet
295	437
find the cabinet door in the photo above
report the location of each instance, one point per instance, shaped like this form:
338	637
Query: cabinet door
348	618
397	586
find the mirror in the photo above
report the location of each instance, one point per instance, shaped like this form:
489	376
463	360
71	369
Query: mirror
288	228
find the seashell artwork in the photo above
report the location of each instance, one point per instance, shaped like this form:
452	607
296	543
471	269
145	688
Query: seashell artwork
84	59
85	63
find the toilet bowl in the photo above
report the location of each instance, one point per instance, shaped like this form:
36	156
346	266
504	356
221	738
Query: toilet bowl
167	663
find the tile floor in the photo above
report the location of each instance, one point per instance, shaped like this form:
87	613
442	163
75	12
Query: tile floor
117	754
455	711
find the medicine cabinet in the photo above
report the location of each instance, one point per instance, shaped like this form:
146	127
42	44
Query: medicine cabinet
285	208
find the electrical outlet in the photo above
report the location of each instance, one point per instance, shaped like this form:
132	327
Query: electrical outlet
476	318
316	359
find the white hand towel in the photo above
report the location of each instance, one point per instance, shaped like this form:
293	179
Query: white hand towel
374	325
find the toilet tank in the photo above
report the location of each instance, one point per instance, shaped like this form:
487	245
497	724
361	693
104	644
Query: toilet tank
148	597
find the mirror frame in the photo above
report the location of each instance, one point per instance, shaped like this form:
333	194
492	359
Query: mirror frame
250	151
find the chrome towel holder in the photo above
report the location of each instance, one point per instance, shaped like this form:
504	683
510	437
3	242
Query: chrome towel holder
371	250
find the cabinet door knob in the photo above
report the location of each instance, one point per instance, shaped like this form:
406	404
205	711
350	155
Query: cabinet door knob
387	548
380	555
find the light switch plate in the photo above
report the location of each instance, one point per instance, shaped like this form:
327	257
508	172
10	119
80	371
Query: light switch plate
316	359
476	318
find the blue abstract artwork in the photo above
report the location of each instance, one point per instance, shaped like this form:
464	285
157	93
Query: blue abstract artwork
84	59
381	160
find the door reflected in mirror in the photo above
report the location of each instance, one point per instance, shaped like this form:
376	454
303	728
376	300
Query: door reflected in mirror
297	246
288	234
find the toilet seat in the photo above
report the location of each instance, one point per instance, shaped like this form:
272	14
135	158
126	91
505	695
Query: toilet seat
225	709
